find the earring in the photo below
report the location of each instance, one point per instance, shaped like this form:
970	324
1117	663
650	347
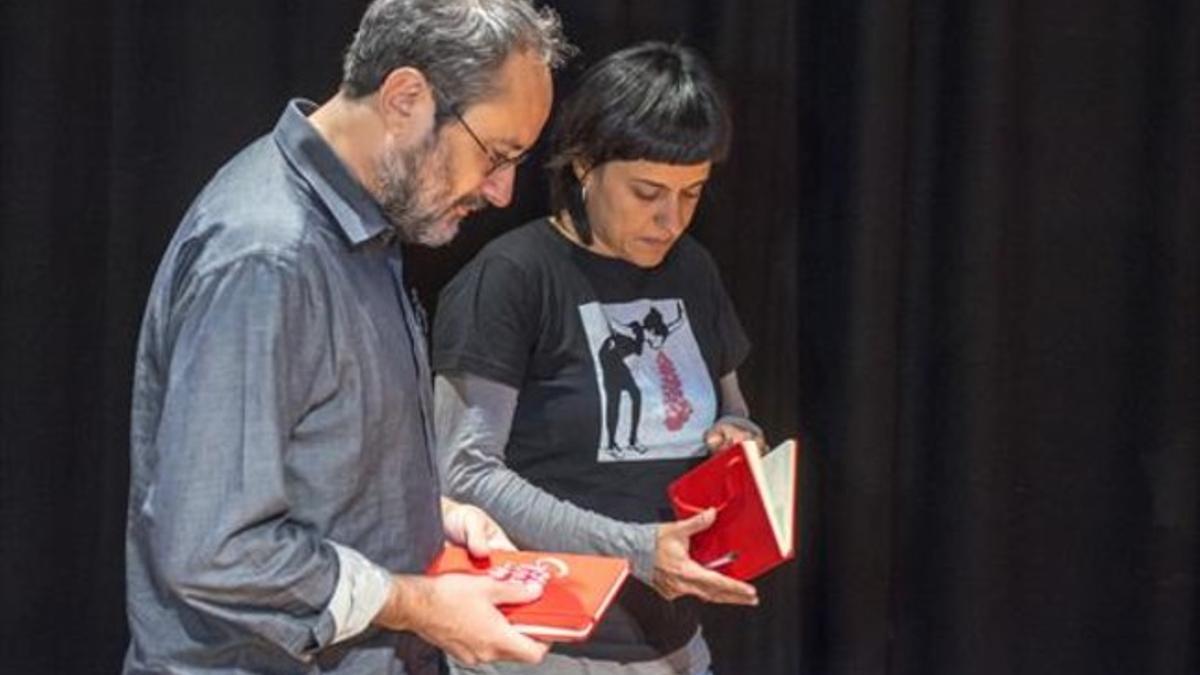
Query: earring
579	216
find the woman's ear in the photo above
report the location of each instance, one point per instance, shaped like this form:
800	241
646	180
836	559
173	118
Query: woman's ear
581	168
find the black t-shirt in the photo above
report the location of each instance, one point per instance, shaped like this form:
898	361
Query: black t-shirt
617	369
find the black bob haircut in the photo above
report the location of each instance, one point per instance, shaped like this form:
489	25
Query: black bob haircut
652	101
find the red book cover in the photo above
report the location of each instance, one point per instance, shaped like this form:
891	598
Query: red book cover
578	588
755	498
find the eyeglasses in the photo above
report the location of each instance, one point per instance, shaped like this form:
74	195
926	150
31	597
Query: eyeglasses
497	161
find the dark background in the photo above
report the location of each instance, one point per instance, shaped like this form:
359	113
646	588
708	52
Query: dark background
964	237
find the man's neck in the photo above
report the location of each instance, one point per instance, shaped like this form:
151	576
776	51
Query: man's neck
353	131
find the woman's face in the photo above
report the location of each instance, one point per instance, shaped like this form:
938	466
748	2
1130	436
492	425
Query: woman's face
639	209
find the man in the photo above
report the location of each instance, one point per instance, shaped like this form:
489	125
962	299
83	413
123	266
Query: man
284	496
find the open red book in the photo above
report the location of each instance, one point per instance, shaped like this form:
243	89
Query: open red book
755	498
578	588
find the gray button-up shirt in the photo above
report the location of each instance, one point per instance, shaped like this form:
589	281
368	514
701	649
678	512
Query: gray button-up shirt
281	432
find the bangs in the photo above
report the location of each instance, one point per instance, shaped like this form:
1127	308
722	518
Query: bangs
691	133
652	102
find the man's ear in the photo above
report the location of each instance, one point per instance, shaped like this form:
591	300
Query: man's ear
405	100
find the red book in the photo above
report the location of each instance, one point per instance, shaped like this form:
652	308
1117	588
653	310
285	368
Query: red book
578	588
755	498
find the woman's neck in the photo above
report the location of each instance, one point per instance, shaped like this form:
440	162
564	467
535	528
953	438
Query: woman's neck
566	227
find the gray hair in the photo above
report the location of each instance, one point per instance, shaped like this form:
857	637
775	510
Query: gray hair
458	44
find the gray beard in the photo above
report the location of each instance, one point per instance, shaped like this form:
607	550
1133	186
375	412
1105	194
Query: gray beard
412	184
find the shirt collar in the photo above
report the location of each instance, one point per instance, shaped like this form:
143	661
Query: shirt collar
355	210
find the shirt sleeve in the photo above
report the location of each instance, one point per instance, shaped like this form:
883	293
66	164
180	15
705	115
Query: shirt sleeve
487	321
735	345
473	417
222	536
361	591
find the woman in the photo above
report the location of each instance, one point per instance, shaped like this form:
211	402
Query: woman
587	359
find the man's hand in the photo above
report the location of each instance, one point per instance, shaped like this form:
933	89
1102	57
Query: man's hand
473	528
676	574
457	613
726	433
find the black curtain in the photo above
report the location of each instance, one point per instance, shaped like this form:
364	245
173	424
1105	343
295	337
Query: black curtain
962	235
1008	195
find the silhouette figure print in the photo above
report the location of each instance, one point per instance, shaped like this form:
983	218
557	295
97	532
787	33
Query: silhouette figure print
618	379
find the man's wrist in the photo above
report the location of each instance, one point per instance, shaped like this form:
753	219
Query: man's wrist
405	596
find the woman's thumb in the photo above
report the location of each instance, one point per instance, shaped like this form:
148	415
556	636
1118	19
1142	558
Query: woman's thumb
699	522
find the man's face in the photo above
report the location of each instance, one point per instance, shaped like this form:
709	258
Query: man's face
427	190
414	185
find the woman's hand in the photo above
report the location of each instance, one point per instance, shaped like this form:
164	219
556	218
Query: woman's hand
731	430
676	574
472	527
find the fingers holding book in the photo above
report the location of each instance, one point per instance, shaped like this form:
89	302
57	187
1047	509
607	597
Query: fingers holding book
458	613
677	574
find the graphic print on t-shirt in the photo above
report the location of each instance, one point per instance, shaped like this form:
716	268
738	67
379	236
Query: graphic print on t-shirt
656	398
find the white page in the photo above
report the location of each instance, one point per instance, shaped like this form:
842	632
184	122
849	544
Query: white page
778	486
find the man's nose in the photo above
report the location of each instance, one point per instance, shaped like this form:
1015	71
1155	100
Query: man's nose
497	188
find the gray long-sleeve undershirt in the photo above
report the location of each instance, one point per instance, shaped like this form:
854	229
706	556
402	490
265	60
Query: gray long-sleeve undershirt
473	419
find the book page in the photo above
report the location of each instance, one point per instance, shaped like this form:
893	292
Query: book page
779	491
